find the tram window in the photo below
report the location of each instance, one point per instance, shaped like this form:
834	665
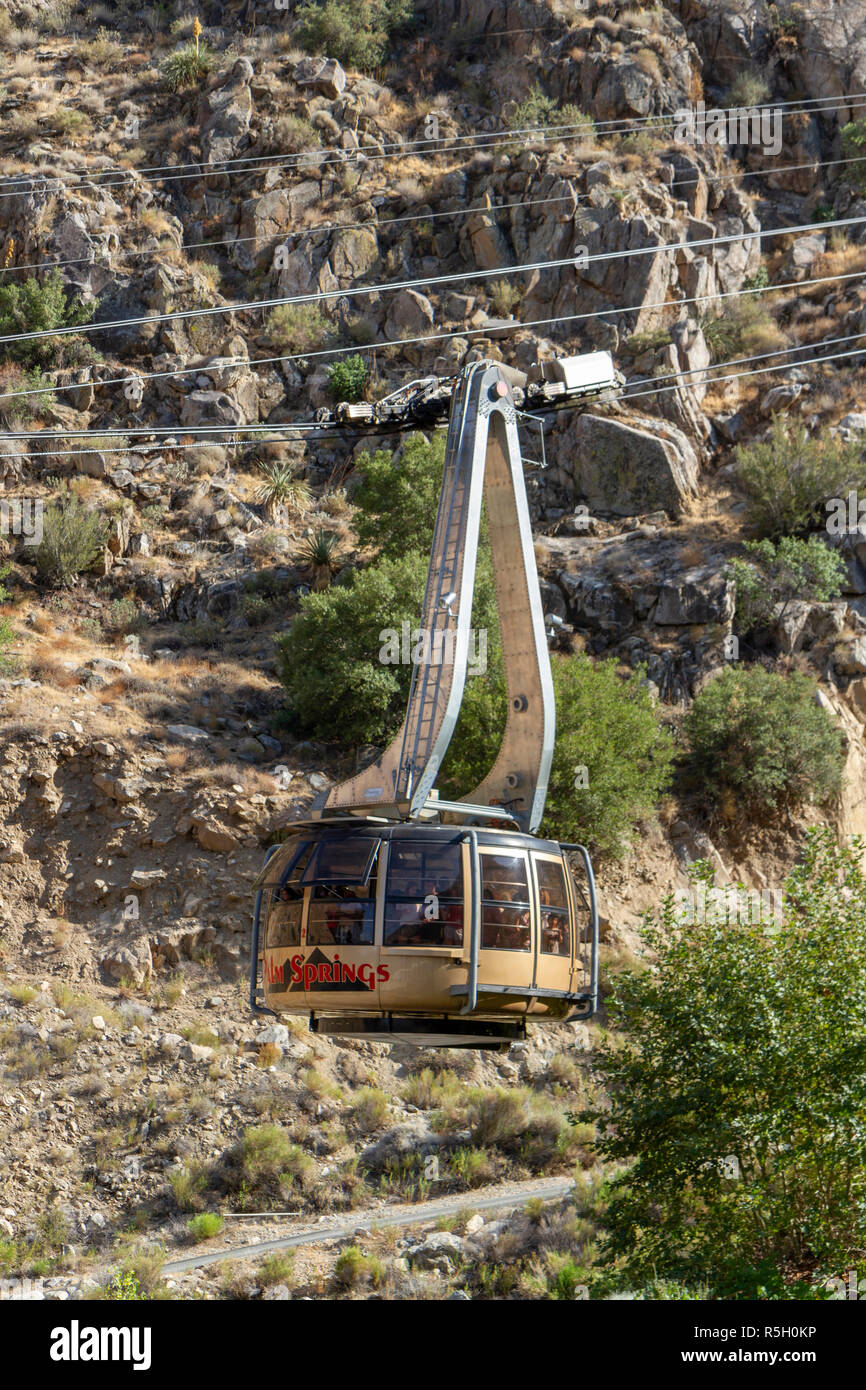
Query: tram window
553	898
348	860
342	914
424	903
287	901
505	912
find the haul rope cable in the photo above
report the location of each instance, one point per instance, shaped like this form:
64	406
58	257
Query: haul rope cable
452	278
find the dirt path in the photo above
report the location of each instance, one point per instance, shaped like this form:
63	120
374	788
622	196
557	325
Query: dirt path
377	1218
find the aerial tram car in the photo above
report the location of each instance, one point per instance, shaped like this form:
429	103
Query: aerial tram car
390	913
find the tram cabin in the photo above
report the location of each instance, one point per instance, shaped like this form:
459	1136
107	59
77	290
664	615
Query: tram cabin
441	935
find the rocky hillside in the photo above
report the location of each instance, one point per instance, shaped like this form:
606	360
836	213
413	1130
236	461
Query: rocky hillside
145	761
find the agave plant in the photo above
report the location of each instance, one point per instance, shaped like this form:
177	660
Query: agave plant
320	553
282	489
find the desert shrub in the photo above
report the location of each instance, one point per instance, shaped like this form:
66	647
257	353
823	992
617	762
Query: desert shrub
328	660
294	328
283	488
266	1165
776	573
347	378
760	742
750	88
745	327
538	109
37	306
8	663
336	665
745	1195
276	1268
606	725
205	1225
397	495
504	296
17	405
370	1109
790	476
353	1269
187	66
124	615
72	538
853	146
356	32
293	135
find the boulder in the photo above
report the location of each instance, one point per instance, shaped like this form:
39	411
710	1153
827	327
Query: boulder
410	315
225	115
698	596
131	962
633	468
323	75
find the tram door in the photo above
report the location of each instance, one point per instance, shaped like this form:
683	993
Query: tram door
506	954
338	950
553	960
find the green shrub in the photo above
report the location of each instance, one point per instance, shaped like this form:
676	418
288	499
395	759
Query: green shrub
347	378
760	742
205	1225
187	66
606	725
8	664
72	538
356	32
283	488
276	1268
777	573
743	1054
124	615
36	306
354	1268
398	494
750	88
853	146
370	1109
294	328
17	407
791	475
330	661
745	327
538	109
267	1165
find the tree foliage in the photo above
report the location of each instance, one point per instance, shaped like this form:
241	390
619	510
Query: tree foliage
760	742
791	475
737	1091
776	573
398	494
37	306
356	32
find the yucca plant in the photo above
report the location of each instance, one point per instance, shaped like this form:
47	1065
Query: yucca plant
187	66
319	551
282	489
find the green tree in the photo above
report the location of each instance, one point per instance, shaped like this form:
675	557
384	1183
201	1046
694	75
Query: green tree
776	573
398	495
791	475
608	736
760	742
338	674
357	32
737	1088
38	306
